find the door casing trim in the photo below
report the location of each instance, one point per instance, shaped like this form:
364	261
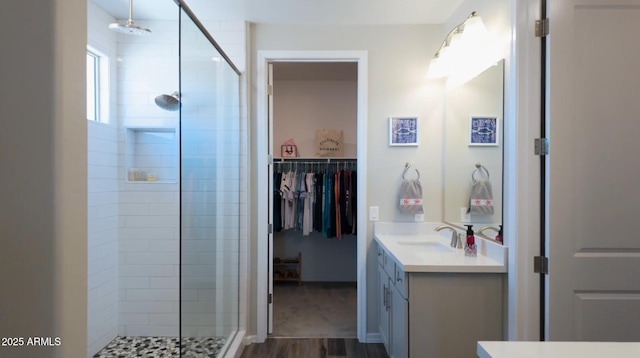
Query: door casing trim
262	143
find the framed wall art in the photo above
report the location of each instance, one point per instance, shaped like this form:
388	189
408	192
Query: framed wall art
483	131
403	131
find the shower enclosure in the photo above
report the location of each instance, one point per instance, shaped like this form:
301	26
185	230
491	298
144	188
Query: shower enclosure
165	187
210	187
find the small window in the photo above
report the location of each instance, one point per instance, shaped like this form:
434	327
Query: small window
97	86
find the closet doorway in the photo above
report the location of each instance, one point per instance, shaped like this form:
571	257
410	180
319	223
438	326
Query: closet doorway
314	185
315	281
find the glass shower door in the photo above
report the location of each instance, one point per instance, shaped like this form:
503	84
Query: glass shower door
210	195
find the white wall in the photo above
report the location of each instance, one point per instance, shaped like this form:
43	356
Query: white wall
398	57
43	189
315	250
148	226
522	171
149	218
232	36
302	107
211	190
102	206
102	235
149	212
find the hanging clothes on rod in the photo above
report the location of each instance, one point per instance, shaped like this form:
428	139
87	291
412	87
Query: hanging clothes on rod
316	196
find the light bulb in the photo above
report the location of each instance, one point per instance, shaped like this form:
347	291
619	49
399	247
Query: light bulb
437	68
474	30
443	54
457	49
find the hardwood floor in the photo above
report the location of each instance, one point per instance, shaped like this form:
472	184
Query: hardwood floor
315	310
314	348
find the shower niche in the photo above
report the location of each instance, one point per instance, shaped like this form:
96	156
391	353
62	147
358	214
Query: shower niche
151	155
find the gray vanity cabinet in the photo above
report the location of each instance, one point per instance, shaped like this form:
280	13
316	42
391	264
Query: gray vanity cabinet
437	314
451	312
383	307
393	308
399	329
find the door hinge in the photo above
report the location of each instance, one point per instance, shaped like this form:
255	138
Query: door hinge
270	228
270	90
541	146
541	264
270	298
542	28
270	159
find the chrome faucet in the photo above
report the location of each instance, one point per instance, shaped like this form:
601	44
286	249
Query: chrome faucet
481	231
455	238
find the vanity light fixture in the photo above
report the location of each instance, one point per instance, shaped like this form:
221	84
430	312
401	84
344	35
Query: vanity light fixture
459	42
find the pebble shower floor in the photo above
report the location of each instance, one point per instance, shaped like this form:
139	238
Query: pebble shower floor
161	347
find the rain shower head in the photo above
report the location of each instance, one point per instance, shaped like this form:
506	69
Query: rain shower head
129	27
169	102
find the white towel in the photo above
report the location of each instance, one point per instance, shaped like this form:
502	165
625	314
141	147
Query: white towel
481	198
411	197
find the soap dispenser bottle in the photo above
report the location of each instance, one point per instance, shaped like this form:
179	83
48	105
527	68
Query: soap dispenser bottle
499	236
470	248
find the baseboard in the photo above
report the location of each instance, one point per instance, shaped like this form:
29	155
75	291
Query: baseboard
374	338
236	346
250	339
320	283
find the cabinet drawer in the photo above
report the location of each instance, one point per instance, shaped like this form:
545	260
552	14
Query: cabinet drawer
380	256
385	261
389	264
401	281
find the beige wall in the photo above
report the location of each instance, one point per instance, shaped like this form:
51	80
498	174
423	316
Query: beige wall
300	108
398	57
43	186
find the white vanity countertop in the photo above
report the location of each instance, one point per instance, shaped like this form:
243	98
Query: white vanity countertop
488	349
417	247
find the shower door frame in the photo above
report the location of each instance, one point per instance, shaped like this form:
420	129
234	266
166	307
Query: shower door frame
264	256
233	345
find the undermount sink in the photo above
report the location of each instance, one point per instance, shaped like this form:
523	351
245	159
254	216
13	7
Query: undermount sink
430	246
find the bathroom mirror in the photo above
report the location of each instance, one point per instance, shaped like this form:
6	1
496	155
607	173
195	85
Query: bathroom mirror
473	135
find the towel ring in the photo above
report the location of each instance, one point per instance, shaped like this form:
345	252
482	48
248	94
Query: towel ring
481	170
406	167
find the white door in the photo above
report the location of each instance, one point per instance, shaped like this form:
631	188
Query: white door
593	170
270	202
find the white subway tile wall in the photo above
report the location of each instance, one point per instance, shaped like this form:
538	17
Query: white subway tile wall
135	227
211	190
102	206
152	151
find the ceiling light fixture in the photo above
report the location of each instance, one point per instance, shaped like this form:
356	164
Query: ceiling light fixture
459	43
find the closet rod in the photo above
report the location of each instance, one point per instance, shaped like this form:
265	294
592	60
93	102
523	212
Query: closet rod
318	163
313	160
327	159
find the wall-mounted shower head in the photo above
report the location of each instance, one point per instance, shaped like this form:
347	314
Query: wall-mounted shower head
129	27
169	102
